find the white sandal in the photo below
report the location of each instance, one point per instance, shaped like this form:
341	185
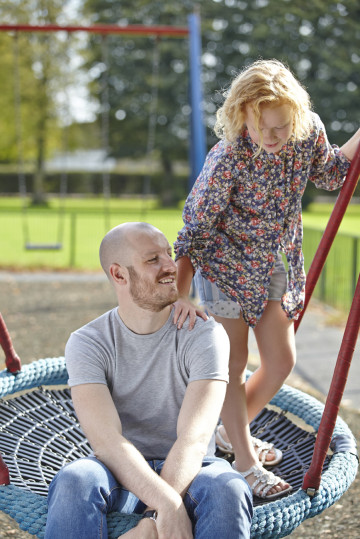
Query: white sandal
262	449
264	481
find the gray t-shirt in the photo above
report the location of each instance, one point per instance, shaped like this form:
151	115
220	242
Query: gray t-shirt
147	375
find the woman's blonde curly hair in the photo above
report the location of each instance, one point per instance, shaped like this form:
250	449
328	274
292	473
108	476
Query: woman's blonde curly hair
269	83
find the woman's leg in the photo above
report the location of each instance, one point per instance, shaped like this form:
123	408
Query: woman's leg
234	413
275	339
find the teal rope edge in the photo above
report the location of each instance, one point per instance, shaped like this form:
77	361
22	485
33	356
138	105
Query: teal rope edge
29	510
49	371
280	518
306	408
268	520
277	519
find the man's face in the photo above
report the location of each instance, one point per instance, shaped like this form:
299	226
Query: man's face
153	273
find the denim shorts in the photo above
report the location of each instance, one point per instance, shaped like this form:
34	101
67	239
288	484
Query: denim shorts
216	302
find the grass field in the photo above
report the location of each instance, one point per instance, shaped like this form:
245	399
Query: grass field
84	222
79	229
317	216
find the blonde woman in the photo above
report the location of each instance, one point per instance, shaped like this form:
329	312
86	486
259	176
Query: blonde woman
242	238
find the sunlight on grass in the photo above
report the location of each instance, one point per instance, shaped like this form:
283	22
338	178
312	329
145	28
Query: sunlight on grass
86	220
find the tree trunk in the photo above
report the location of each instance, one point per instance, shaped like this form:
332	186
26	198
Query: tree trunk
168	191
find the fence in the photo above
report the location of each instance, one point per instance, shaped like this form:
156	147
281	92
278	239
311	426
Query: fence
337	282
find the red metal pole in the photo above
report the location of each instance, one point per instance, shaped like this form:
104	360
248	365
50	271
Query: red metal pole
140	29
4	473
331	229
12	360
313	475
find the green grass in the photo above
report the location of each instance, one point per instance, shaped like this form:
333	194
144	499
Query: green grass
317	217
338	279
85	224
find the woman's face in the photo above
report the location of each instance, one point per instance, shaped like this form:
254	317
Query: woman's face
275	125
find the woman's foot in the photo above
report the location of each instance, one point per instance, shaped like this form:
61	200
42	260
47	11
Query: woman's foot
264	484
268	455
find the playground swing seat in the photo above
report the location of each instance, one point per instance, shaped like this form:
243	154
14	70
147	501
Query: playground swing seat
40	432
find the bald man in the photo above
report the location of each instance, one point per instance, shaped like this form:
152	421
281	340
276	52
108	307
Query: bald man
148	396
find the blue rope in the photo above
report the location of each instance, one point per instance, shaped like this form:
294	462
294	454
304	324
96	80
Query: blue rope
276	519
50	371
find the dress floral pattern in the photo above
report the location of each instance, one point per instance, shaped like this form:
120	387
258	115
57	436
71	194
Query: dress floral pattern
243	210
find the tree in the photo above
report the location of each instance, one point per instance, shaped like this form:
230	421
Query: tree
36	69
317	41
137	72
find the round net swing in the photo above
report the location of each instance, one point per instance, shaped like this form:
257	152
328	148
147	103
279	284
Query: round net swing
40	434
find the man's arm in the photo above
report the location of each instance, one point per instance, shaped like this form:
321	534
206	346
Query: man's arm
196	423
101	424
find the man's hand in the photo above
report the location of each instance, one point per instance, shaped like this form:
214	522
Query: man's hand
169	525
145	529
174	524
183	309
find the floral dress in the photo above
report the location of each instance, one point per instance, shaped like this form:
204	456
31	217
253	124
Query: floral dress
243	210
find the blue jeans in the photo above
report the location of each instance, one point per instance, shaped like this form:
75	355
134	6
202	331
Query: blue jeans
218	501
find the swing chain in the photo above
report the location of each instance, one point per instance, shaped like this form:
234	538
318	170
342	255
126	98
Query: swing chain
272	420
275	418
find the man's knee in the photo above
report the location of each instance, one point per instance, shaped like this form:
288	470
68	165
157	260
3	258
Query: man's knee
77	478
219	502
222	486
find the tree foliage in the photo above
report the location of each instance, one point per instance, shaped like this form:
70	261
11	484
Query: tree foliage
35	64
318	40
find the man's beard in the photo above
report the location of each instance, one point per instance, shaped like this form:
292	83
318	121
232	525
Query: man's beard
147	295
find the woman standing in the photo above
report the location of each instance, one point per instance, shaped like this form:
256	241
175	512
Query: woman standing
242	238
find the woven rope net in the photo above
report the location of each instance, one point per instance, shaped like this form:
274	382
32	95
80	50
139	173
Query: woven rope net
39	433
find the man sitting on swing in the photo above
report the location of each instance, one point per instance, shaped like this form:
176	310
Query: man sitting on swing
148	396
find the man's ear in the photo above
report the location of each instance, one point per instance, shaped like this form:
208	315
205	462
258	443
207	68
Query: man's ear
118	273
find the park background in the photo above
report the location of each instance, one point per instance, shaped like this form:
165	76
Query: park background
96	131
98	128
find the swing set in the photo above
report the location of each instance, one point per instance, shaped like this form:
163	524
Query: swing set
197	129
39	431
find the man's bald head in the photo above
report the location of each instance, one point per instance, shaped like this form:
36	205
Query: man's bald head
119	243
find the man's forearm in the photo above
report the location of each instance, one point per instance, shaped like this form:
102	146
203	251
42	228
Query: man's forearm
197	421
133	472
182	465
